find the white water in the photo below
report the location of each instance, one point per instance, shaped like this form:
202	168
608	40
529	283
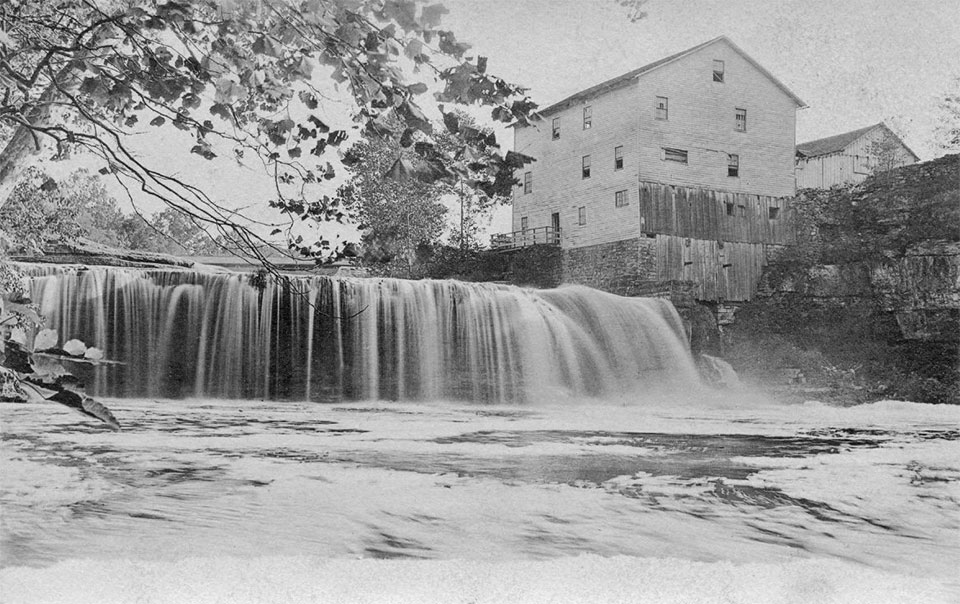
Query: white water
660	500
183	333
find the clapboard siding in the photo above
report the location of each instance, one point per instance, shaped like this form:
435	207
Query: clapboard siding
703	214
721	270
701	120
557	182
877	149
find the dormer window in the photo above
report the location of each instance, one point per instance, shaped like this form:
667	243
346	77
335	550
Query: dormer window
717	70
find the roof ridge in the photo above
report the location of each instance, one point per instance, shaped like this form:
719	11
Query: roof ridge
625	78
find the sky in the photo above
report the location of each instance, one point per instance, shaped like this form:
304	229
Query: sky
854	63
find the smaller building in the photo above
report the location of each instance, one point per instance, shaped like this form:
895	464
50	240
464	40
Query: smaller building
850	157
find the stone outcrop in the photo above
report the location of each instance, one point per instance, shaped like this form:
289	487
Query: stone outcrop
872	289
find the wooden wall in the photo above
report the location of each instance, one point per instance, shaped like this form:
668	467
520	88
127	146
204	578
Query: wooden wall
704	214
558	185
721	270
700	120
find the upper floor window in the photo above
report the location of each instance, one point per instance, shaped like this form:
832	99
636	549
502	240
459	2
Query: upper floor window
527	182
717	70
661	108
585	167
582	215
733	165
556	128
524	223
620	199
587	117
618	158
741	121
677	155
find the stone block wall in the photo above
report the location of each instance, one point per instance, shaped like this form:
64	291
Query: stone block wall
535	266
612	266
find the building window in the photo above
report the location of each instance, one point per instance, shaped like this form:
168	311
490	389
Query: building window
661	108
717	70
587	117
527	182
741	210
774	213
620	199
618	158
556	128
582	215
524	222
677	155
861	164
730	211
585	167
741	123
733	164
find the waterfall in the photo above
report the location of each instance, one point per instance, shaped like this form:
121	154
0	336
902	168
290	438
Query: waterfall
182	334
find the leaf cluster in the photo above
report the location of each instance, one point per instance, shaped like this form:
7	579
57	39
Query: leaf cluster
249	76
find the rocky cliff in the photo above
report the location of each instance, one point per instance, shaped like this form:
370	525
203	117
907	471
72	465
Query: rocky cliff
869	299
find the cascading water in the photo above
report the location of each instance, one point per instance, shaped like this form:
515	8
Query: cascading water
183	333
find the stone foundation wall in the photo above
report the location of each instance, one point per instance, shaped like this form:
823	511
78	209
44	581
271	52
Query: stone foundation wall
612	267
535	266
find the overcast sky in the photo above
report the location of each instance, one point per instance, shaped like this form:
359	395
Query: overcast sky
854	62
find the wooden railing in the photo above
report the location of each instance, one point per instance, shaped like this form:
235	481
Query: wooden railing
525	238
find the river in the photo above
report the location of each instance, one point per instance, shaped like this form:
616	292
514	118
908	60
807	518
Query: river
702	498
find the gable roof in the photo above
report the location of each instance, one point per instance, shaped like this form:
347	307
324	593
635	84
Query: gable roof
839	142
630	76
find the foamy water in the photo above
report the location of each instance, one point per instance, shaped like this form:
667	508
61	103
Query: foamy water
705	500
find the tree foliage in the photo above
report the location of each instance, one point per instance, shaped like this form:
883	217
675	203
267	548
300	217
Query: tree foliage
948	121
42	212
246	79
396	215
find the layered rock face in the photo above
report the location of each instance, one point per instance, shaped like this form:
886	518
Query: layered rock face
873	286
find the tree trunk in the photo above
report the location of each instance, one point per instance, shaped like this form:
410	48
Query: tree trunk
26	143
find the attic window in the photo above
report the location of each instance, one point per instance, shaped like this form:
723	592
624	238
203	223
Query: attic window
556	128
587	117
773	213
717	70
660	108
733	165
677	155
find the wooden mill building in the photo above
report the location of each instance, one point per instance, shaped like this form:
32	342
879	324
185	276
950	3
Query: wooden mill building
851	157
678	171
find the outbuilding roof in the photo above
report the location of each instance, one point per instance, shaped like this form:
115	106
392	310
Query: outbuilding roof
630	76
839	142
